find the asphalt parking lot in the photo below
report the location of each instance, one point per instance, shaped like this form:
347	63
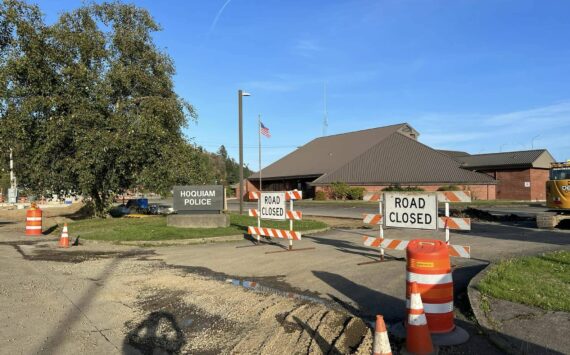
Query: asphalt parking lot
328	276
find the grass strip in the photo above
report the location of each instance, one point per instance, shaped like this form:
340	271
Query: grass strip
542	281
155	228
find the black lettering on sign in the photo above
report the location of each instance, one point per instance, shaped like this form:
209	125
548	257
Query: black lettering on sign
397	202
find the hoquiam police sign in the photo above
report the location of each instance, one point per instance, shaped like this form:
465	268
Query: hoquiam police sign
410	210
272	205
198	199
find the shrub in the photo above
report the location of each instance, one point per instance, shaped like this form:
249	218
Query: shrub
398	187
449	188
356	193
339	190
320	196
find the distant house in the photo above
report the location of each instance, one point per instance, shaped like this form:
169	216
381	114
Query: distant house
521	175
374	159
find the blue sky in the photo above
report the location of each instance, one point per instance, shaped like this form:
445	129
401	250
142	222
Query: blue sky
479	76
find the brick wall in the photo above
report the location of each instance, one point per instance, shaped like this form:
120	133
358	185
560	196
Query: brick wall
538	178
248	186
478	192
511	184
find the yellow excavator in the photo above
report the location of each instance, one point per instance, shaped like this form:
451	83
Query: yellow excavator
557	196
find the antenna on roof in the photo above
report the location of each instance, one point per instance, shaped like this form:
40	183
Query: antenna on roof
325	118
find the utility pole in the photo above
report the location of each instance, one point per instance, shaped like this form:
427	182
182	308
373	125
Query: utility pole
240	114
241	94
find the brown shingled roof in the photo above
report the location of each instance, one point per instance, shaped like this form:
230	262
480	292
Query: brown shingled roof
517	159
325	154
399	159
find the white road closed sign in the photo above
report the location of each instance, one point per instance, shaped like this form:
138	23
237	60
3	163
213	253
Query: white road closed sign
410	210
272	205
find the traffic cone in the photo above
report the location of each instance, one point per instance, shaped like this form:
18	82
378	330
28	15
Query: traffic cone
64	239
381	342
418	340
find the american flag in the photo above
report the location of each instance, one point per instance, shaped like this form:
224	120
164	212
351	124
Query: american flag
264	130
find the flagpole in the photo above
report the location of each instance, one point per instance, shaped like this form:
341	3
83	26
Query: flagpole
259	135
259	199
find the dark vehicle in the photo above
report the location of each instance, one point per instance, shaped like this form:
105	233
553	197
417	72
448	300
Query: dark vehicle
139	205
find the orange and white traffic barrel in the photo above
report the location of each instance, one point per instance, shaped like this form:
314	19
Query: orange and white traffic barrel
429	266
34	221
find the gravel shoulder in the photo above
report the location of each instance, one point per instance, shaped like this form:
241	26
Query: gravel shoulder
116	299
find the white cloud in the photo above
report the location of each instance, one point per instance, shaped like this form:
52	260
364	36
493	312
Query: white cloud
307	48
541	127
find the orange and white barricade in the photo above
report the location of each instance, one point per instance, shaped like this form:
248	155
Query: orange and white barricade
289	195
453	196
374	219
395	244
446	222
274	233
372	196
291	215
456	223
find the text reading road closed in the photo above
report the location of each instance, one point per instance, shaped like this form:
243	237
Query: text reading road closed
408	210
272	205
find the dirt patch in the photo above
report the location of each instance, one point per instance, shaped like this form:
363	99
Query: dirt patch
46	253
480	215
185	312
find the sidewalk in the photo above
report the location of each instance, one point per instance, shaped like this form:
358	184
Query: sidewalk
518	328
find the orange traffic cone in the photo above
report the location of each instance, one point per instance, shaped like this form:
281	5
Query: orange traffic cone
381	342
64	239
418	340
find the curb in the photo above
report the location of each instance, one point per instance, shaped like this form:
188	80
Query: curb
193	241
486	324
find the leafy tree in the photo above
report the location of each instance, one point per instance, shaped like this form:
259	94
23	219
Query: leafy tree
88	103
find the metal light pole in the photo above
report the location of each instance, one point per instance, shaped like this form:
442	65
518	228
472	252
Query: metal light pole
241	94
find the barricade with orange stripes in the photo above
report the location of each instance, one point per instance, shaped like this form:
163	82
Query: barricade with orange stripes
453	196
448	222
294	215
275	233
372	196
396	244
455	223
290	215
289	195
375	219
372	219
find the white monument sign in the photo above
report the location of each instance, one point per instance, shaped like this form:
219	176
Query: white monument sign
272	205
410	210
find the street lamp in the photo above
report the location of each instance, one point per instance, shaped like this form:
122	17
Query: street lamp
241	94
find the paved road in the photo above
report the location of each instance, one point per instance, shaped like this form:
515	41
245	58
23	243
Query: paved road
357	212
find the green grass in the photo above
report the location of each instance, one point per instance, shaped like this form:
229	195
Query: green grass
155	228
542	281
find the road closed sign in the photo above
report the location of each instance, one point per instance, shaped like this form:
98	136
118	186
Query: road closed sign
272	205
410	210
